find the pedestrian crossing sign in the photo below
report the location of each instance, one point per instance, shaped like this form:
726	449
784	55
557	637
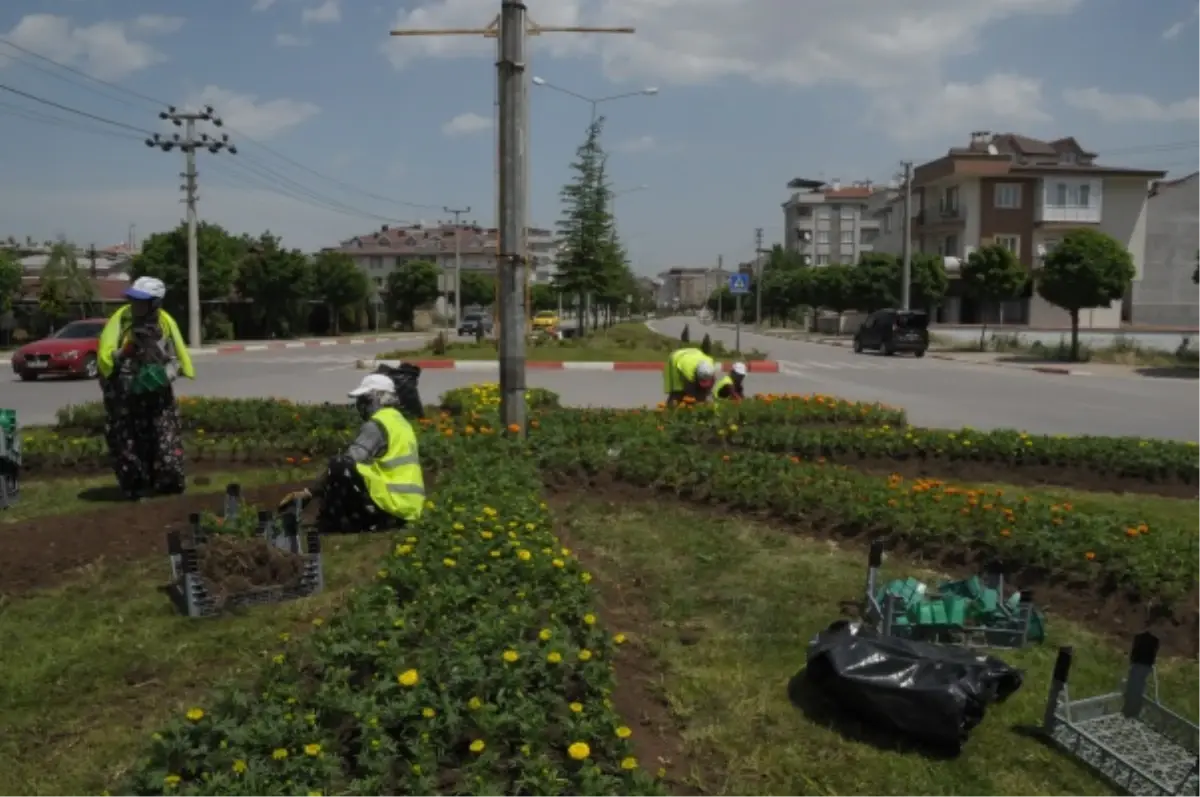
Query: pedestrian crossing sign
739	283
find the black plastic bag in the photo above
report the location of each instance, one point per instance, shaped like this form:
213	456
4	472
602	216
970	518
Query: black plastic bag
931	694
406	377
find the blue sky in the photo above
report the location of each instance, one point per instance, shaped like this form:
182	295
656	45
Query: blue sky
751	93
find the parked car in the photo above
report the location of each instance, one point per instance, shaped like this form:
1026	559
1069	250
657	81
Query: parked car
474	323
70	350
546	319
892	331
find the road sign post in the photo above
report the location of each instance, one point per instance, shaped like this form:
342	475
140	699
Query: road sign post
739	286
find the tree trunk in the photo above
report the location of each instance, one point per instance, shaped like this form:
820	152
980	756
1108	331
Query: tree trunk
1075	335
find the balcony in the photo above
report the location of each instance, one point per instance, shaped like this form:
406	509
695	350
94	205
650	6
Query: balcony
1066	214
942	215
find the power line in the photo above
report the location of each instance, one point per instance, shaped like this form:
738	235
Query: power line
76	111
80	72
67	124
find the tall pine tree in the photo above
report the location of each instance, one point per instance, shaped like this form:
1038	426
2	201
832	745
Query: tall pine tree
585	230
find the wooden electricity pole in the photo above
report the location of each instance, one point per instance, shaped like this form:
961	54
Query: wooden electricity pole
492	31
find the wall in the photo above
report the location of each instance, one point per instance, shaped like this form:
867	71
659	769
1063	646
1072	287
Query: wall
1166	295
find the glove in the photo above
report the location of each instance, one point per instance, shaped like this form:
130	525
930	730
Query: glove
289	500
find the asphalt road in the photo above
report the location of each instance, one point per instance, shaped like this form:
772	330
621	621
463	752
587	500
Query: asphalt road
316	375
952	394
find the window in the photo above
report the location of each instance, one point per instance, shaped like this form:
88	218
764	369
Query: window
822	260
823	213
1008	195
823	237
376	261
848	212
1085	195
950	198
950	246
1067	157
804	213
847	237
1010	242
1061	193
887	221
866	236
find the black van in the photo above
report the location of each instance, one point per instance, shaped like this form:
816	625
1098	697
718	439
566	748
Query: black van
891	331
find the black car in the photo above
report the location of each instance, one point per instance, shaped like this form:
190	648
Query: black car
891	331
475	324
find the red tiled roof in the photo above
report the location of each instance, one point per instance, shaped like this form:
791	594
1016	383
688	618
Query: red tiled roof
851	192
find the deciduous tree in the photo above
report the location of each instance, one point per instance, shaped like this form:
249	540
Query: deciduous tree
410	286
1086	269
340	284
165	255
993	274
277	281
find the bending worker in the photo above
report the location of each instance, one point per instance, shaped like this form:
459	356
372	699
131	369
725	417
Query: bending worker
732	387
377	484
689	373
139	356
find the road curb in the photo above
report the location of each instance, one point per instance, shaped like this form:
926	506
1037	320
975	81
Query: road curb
755	366
237	348
1056	370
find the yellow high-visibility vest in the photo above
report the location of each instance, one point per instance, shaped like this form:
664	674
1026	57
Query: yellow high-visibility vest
394	480
115	335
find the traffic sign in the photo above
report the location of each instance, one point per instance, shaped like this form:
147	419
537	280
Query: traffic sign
739	283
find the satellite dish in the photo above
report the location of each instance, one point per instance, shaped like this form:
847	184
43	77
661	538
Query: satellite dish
992	150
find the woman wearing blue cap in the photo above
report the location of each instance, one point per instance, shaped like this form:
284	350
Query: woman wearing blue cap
140	355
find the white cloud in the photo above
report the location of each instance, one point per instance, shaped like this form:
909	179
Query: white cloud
290	40
466	124
326	13
1000	102
243	113
106	50
1116	108
638	144
1176	29
894	51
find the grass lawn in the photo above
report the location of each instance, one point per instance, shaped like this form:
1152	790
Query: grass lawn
727	608
629	342
66	496
92	667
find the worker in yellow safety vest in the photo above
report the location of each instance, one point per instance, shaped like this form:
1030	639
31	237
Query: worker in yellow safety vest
377	484
139	356
732	387
689	373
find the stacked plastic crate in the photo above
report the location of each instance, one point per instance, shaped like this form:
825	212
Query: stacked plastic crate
10	458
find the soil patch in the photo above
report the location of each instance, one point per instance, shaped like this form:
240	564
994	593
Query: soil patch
965	470
43	552
1093	605
238	565
657	741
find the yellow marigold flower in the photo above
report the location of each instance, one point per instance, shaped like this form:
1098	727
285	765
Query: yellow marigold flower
474	704
312	749
477	746
554	657
278	659
448	562
172	780
579	751
558	563
586	578
239	766
524	555
585	655
629	762
279	754
544	635
195	714
623	732
428	713
408	678
589	619
575	707
619	639
511	655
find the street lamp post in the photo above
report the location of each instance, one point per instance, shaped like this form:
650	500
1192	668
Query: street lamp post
595	102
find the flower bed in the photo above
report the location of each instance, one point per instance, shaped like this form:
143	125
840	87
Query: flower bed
475	664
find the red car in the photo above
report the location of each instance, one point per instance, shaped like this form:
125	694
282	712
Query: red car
70	350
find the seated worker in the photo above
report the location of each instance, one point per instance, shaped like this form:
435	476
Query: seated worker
688	373
377	484
732	386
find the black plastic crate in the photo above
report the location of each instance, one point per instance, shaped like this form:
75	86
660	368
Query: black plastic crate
10	459
194	597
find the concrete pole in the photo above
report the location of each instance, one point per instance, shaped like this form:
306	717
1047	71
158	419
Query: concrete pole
758	277
906	266
195	338
457	263
514	120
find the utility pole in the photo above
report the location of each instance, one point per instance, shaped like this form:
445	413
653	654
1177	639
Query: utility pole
189	143
720	288
457	263
906	265
758	269
510	28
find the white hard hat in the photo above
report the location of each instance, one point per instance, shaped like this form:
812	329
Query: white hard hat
373	383
704	371
739	369
146	288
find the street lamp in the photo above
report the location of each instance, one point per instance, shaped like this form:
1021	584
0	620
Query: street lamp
649	91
